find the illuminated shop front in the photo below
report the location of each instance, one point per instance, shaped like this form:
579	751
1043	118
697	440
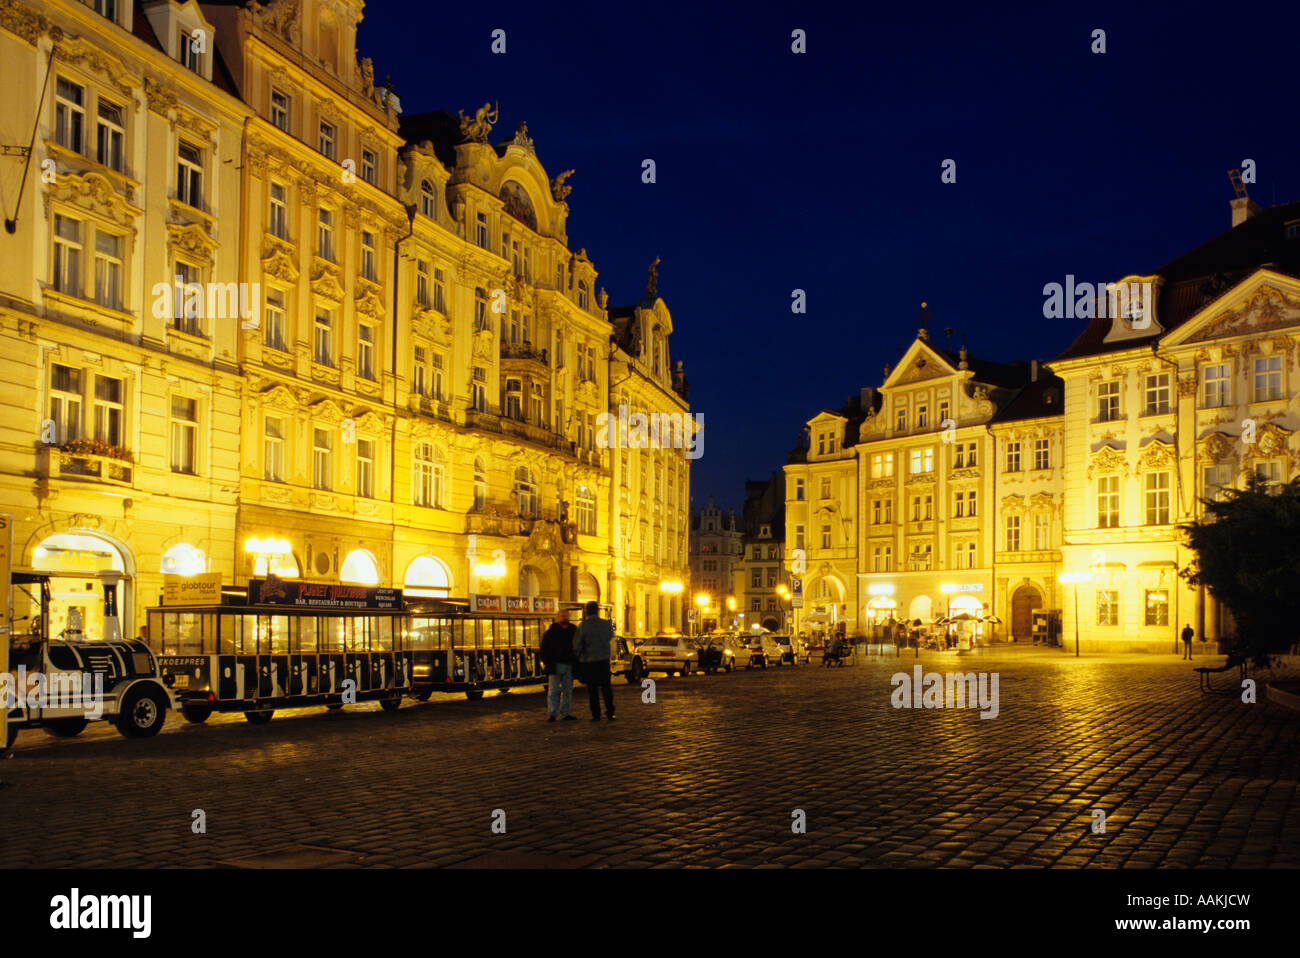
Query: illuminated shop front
76	593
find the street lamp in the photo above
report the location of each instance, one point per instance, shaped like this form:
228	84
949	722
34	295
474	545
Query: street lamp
701	600
267	550
784	593
1074	578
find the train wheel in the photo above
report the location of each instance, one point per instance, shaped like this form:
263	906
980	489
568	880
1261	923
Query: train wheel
473	694
142	713
334	706
65	728
392	703
423	695
198	714
259	718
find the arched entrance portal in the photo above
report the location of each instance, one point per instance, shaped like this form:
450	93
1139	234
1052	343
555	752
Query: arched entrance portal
588	588
1023	603
76	595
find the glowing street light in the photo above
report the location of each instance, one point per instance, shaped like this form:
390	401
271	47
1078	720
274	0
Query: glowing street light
267	551
671	586
1074	578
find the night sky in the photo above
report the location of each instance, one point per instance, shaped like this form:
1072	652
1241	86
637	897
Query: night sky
821	171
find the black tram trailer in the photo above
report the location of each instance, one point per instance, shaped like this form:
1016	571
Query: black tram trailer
458	645
280	644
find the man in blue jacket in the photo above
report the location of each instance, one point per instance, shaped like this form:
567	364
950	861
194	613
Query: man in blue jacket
591	644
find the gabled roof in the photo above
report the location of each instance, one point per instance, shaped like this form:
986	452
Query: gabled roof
1196	278
1037	400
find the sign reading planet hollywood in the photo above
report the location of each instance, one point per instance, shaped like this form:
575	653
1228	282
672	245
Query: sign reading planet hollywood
322	595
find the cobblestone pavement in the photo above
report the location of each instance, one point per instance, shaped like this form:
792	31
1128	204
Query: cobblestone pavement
709	775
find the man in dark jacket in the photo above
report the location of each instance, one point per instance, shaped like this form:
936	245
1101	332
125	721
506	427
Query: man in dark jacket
1188	634
558	659
591	644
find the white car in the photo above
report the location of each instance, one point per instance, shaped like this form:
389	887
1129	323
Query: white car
763	649
725	652
669	653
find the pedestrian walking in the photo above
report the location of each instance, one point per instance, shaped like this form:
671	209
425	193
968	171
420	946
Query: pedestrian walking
591	644
558	659
1188	633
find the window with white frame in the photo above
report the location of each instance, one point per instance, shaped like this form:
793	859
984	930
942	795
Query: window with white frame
1215	386
189	175
525	489
900	419
275	319
325	234
1157	607
65	402
428	199
480	485
273	449
280	110
185	316
322	459
582	294
69	115
826	537
798	490
365	351
1216	480
478	385
882	511
1268	378
1013	456
109	409
1108	401
187	47
481	230
110	134
943	412
66	260
882	465
585	509
1157	498
422	283
108	269
1042	532
105	8
514	403
1011	536
1157	395
965	555
1270	470
368	166
535	414
922	416
184	434
921	460
1042	454
278	212
325	142
824	488
480	309
439	285
365	486
419	371
1107	607
1108	502
798	537
323	337
368	255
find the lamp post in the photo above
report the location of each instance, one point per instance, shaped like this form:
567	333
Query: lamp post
784	592
731	609
1074	578
702	602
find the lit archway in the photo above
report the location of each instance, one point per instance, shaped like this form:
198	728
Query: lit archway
76	594
183	559
529	581
429	577
920	608
359	568
588	588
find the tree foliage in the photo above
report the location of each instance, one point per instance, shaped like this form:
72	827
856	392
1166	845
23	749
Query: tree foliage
1247	547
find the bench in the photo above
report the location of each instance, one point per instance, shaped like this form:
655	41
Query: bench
1205	672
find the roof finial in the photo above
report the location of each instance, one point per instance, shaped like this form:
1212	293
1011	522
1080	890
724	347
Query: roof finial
924	318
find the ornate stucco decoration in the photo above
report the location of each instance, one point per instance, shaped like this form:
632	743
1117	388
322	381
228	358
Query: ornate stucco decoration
22	21
1013	505
368	302
325	282
1271	440
92	192
1216	447
278	16
279	397
479	126
887	483
81	51
327	410
559	189
1043	502
1187	387
484	343
191	239
1156	456
278	263
161	99
922	479
966	472
1269	308
1108	459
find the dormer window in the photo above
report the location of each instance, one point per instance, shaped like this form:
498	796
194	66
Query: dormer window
105	8
188	50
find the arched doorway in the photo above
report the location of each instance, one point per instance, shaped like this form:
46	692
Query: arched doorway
359	568
529	581
880	612
1023	603
588	588
920	608
427	576
76	594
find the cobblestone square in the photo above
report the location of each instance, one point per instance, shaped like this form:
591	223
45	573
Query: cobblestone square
707	776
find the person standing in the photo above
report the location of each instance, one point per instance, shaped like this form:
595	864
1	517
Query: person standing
558	659
591	644
1188	633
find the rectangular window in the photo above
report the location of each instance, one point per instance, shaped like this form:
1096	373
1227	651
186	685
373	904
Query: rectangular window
422	282
798	490
280	110
922	416
1214	390
1157	608
900	421
882	465
535	412
514	406
1012	538
1107	607
65	402
366	351
1013	457
798	537
105	8
325	141
69	115
108	270
481	226
1157	498
825	489
368	255
1042	532
1107	401
323	338
66	269
419	380
943	413
278	216
1270	470
189	175
273	450
322	459
921	460
756	579
365	468
185	317
1217	480
368	166
439	285
185	435
108	410
325	234
479	391
1268	378
1108	502
189	54
109	135
1042	454
826	537
275	319
929	507
1157	395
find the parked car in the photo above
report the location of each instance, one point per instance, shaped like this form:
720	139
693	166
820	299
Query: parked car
670	653
627	660
724	652
792	649
763	649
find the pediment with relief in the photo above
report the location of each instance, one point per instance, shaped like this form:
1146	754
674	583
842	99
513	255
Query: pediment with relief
1108	459
1271	440
1268	308
279	397
1156	455
325	283
327	410
92	192
368	303
1217	446
278	264
191	238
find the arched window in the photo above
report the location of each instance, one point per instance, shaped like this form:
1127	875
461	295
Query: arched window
586	511
480	309
428	200
526	500
582	294
480	485
428	576
182	559
429	476
359	567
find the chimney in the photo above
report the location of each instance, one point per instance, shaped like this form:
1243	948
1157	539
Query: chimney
867	397
1243	207
1033	370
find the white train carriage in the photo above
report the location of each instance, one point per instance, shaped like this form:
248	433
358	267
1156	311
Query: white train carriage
283	644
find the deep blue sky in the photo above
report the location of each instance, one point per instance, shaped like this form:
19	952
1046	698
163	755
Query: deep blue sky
821	171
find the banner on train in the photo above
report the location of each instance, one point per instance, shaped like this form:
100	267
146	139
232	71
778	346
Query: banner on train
511	603
322	595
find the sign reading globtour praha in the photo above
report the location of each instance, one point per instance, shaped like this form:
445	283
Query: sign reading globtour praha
322	595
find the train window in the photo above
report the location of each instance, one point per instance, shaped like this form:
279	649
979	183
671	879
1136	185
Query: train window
227	624
355	635
63	658
307	633
330	635
381	633
157	634
534	639
189	633
519	633
273	633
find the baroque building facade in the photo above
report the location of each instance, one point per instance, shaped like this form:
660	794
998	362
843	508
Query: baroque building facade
246	299
715	561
